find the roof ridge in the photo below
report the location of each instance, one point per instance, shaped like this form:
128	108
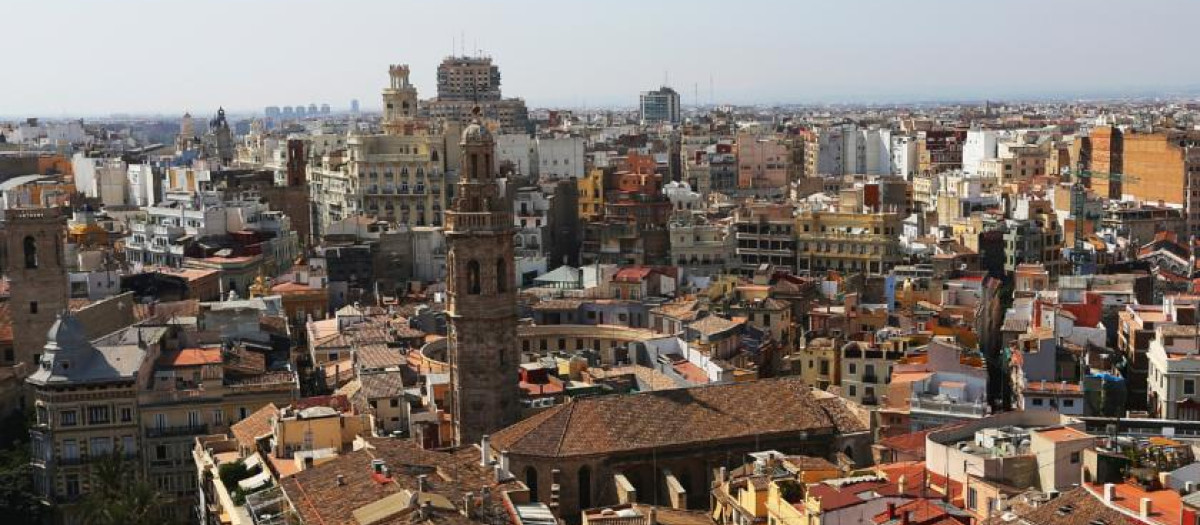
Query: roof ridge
566	426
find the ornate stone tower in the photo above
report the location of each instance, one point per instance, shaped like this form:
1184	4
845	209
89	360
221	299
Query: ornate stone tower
482	299
399	102
38	277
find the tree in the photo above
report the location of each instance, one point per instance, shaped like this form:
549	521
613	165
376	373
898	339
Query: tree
19	503
120	497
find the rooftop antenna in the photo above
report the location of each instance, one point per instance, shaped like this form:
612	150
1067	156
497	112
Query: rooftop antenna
710	89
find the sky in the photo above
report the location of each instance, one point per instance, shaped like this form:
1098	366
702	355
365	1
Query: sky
86	57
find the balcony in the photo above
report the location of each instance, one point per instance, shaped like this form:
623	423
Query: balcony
947	406
870	378
177	431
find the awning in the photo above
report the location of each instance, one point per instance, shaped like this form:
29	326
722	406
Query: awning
252	462
255	481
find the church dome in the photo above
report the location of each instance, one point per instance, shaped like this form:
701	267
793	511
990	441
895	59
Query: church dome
476	132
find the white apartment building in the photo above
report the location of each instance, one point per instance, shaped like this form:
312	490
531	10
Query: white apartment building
981	145
162	236
519	150
560	157
1173	378
904	156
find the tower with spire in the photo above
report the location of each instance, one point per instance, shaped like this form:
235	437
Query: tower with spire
482	303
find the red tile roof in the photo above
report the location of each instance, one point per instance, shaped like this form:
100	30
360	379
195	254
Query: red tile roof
191	357
679	417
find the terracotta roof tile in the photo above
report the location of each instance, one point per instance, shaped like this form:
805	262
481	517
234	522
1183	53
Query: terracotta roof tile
677	417
320	499
1075	507
254	426
191	357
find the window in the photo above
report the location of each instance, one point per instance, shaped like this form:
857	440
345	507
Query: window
194	418
853	391
128	447
97	415
72	483
972	498
1068	403
1037	401
160	421
853	369
473	287
161	453
1189	387
1075	457
100	446
394	403
126	414
218	417
67	418
70	449
33	307
31	257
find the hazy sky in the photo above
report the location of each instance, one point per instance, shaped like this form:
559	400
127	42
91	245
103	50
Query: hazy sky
84	57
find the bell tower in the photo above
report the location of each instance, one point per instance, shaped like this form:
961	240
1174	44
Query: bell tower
482	301
399	102
35	239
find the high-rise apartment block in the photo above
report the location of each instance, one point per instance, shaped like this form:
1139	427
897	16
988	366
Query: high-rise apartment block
465	82
659	106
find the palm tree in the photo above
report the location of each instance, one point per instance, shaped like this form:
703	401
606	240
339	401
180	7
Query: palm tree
120	496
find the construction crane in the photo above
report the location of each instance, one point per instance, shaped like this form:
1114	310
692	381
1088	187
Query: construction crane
1079	256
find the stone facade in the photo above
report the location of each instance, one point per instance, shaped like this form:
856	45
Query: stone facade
482	303
35	243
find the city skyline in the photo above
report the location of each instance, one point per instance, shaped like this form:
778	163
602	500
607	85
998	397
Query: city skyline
565	56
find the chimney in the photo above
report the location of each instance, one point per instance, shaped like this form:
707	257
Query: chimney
1109	490
468	505
1147	508
426	510
891	512
723	475
1189	487
422	483
901	485
483	451
652	515
341	480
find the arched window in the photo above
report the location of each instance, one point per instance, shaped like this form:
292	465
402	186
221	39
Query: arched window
31	257
531	482
502	276
585	487
473	277
475	165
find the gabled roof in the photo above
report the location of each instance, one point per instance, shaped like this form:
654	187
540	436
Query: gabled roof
254	426
677	418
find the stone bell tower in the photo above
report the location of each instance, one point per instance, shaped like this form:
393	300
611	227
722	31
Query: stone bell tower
482	302
38	277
